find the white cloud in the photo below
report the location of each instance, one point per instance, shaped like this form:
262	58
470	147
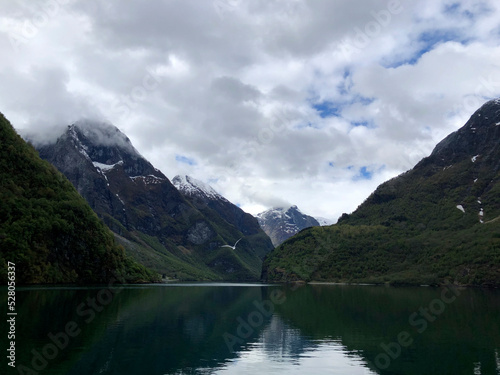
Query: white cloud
230	85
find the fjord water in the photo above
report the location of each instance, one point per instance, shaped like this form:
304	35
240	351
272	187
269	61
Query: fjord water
254	328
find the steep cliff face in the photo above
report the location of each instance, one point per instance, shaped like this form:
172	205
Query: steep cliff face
150	217
437	222
47	229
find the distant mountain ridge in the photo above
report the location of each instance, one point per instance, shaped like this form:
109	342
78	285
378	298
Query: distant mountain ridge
438	222
282	223
149	216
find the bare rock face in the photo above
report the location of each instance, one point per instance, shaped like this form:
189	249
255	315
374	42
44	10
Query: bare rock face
199	233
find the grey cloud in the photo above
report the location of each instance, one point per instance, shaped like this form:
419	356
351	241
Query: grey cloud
41	99
232	85
234	90
264	198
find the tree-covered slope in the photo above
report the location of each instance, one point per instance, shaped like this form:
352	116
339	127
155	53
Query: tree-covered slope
47	229
437	222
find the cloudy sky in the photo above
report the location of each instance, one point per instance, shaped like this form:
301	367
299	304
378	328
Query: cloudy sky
273	102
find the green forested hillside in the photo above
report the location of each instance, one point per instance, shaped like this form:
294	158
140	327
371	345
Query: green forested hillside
435	223
47	229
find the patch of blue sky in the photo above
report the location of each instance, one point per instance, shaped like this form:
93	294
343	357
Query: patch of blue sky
364	174
426	42
366	124
362	100
457	9
430	39
345	86
185	160
451	8
329	108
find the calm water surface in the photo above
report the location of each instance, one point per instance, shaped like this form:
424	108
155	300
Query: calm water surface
256	329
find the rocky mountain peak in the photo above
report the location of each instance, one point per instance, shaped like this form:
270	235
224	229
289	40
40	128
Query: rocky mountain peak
280	223
106	147
102	134
476	140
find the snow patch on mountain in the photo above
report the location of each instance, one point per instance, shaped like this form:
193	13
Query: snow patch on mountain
149	179
106	167
193	187
275	212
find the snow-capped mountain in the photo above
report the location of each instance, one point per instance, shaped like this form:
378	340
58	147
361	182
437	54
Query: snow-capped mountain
155	222
192	187
282	223
103	165
204	198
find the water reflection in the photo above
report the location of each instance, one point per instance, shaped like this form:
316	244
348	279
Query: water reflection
281	349
181	329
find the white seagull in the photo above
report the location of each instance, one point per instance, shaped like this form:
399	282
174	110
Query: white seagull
233	247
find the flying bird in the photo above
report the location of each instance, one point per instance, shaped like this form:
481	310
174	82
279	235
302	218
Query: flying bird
233	247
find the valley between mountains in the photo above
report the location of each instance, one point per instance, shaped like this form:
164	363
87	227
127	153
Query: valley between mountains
436	223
